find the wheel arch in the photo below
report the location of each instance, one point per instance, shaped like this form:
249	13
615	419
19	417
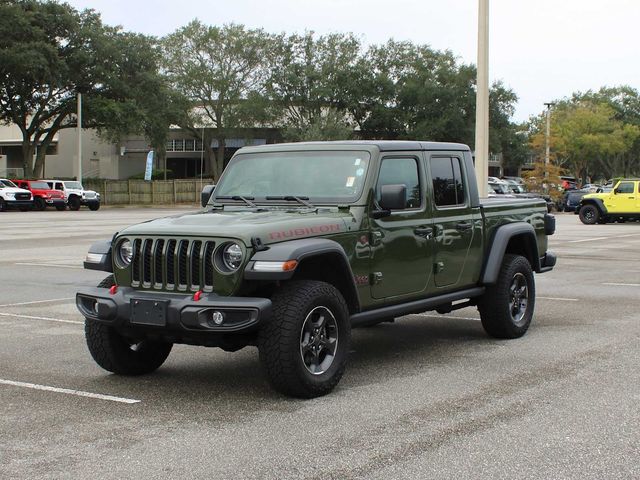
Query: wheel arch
517	238
596	202
318	259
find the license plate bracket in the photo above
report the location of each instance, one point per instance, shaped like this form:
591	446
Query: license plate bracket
149	312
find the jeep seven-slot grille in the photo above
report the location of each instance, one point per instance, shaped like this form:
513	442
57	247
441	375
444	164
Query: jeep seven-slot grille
172	264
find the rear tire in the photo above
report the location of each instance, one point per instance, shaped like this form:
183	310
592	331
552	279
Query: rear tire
39	204
118	354
589	214
304	346
94	206
60	208
506	308
3	205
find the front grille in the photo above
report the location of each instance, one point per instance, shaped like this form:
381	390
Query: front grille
172	264
89	195
23	196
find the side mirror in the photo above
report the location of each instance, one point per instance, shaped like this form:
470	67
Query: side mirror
393	197
206	194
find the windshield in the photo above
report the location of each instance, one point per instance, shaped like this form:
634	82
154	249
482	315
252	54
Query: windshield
7	183
73	185
40	185
330	176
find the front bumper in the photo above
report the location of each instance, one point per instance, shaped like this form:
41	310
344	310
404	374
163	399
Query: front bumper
18	203
131	308
55	201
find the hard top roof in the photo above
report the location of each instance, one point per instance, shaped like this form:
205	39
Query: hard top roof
382	145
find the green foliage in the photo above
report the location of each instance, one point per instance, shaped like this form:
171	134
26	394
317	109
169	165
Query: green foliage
221	70
594	134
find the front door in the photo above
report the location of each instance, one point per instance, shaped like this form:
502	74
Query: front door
401	243
454	222
622	199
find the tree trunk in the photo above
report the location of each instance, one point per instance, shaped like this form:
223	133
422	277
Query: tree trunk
27	156
219	162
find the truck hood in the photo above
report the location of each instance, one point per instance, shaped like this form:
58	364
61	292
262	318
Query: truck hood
601	196
271	226
14	190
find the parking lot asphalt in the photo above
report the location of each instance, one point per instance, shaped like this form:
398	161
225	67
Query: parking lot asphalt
428	396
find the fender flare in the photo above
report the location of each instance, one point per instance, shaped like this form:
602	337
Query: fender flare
300	250
99	257
498	248
599	204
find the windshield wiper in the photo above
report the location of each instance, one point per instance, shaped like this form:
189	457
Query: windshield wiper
246	200
302	200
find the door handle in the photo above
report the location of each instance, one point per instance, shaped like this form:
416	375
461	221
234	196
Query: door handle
425	232
463	226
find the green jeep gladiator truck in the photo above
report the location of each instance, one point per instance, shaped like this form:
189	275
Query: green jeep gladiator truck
299	243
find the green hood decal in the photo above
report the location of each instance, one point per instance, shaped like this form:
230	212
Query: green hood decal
270	226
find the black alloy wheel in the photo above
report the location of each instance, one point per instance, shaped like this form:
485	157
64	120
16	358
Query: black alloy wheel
319	340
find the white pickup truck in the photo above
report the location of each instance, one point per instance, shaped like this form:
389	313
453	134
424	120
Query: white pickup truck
13	197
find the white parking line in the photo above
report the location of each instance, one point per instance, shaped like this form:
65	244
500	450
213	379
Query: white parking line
559	299
588	239
49	265
622	284
78	393
49	319
37	301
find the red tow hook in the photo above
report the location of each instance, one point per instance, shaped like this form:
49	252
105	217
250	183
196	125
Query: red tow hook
197	296
113	289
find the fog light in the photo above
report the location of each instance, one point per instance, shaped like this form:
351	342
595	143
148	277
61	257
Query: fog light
217	317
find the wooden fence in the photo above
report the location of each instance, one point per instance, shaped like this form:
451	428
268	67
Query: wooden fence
140	192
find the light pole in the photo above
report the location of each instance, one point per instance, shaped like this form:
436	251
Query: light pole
482	99
546	140
79	137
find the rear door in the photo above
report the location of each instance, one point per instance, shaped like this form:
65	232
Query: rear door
455	223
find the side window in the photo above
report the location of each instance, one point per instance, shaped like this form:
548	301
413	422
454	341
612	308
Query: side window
401	171
59	186
448	184
625	187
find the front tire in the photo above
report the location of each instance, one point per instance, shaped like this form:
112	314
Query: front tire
39	204
304	346
74	203
506	308
118	354
94	206
3	205
589	214
60	208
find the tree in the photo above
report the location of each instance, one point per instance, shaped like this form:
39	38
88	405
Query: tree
312	83
585	136
222	71
50	52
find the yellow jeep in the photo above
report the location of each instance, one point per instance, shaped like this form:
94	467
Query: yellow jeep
620	204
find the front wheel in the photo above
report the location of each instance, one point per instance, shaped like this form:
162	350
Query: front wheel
74	203
304	346
506	308
3	205
94	206
589	214
121	355
39	203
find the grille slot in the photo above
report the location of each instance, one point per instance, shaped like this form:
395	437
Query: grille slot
173	264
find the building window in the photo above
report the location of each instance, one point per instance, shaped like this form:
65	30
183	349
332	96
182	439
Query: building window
189	145
178	145
169	145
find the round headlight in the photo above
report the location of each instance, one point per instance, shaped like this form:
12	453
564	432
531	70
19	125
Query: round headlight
232	256
125	253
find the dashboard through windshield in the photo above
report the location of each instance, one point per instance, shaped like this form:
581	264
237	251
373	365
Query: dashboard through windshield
326	176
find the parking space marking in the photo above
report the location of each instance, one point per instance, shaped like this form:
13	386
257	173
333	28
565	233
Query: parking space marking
78	393
559	299
50	265
622	284
589	239
49	319
35	302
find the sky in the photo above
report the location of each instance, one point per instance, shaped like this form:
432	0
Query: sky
544	50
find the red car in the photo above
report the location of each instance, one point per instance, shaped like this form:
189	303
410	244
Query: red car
43	195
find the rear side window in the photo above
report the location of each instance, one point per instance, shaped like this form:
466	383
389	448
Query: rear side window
401	171
448	184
